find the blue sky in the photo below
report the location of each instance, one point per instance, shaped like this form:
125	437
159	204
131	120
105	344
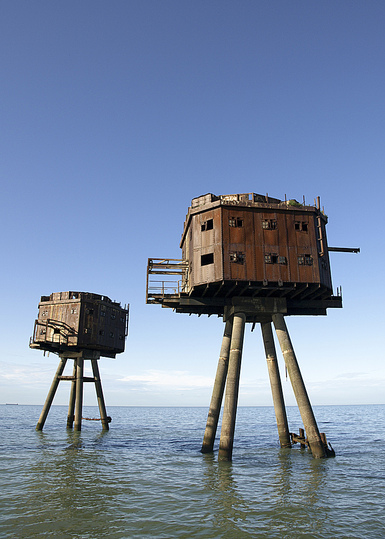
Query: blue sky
114	115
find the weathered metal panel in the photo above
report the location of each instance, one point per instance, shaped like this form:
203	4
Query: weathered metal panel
206	245
259	273
80	320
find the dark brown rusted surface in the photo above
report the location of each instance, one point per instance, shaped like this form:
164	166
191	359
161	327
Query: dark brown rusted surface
72	321
247	246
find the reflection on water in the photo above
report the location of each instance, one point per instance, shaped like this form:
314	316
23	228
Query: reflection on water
227	504
291	497
146	478
66	487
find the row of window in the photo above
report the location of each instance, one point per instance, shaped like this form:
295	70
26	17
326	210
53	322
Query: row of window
91	312
267	224
43	331
238	257
111	334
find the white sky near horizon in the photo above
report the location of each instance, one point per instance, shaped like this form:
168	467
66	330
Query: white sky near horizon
114	115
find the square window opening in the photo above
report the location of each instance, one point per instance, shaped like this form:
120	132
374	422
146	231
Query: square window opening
269	224
207	225
237	257
207	259
236	222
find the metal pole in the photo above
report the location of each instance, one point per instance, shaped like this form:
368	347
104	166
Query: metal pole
51	394
276	386
218	390
99	393
71	407
79	393
299	388
232	388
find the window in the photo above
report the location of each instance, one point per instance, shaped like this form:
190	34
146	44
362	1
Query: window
102	313
305	260
87	330
237	257
301	225
113	315
121	338
273	258
73	311
269	224
44	313
207	259
111	333
207	225
236	222
43	331
89	311
101	332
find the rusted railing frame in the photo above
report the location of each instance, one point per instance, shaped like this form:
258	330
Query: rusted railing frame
166	266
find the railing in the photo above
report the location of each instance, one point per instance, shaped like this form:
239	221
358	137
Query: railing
168	286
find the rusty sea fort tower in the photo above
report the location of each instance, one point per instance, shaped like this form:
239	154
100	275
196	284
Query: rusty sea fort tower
79	326
251	258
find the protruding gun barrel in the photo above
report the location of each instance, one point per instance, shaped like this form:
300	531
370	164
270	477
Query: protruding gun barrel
344	249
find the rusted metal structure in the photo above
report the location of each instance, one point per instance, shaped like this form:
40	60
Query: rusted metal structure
251	258
79	326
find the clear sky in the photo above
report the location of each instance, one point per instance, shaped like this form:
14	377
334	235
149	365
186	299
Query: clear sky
114	115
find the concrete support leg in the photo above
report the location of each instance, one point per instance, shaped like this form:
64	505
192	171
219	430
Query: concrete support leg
71	407
218	390
299	388
99	394
79	394
51	394
232	388
275	383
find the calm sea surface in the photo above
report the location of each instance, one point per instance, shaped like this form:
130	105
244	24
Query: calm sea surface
147	478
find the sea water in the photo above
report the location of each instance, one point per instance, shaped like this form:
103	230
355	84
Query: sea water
146	477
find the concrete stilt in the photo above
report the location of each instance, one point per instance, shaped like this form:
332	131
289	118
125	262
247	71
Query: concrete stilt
232	388
71	407
99	394
276	386
299	388
218	390
51	393
79	394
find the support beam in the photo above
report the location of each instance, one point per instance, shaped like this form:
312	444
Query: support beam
299	388
71	407
79	394
276	386
99	394
51	394
218	390
232	388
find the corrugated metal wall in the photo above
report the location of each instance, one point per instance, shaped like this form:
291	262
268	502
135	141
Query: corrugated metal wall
256	244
